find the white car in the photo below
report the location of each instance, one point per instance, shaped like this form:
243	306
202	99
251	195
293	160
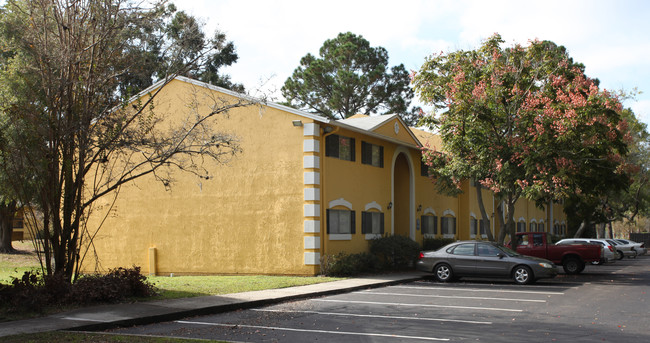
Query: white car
638	247
623	250
609	254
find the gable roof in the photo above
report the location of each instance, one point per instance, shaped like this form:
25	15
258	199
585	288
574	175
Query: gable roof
377	124
359	123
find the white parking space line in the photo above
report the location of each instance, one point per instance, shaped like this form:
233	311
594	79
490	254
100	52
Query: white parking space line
492	290
378	316
450	296
315	331
419	305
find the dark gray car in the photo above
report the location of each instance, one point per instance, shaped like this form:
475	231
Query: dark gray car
484	259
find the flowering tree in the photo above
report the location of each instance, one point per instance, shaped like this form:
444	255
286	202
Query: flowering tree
523	122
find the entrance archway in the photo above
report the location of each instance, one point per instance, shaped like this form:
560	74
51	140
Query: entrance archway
403	217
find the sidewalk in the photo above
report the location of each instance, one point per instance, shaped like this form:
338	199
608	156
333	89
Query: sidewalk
110	316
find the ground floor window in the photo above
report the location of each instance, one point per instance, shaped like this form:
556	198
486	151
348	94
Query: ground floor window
372	223
448	226
340	221
521	227
429	225
473	227
484	225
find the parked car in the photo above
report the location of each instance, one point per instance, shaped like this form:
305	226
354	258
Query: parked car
608	253
638	247
484	259
572	257
623	250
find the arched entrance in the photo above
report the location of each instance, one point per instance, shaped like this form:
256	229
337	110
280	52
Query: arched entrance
403	219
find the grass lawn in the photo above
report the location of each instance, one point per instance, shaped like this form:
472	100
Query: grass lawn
190	286
75	337
14	265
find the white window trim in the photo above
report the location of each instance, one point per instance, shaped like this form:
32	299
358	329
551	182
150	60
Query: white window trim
340	202
429	210
340	237
370	236
373	205
449	212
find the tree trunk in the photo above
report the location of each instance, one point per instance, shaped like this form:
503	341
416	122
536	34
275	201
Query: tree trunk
502	227
510	223
7	212
611	230
481	206
600	232
581	229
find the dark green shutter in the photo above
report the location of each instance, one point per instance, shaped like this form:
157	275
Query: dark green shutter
381	156
353	148
365	219
366	153
453	222
328	221
332	146
381	223
353	222
435	225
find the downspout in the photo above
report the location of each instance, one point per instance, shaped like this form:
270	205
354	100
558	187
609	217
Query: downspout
323	210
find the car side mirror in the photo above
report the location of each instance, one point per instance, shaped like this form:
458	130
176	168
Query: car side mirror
501	255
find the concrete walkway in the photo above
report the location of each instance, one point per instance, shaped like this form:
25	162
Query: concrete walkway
111	316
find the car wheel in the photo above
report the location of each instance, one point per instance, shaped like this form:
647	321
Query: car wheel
522	275
573	265
443	272
620	254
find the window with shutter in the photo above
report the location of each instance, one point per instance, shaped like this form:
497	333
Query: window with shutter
372	154
340	147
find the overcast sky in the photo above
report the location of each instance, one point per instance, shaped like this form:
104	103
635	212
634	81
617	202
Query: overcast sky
610	37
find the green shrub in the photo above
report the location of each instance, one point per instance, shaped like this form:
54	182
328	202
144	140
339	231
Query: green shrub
395	252
435	243
33	292
343	264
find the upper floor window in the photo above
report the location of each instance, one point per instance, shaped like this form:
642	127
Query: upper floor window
372	154
340	147
424	169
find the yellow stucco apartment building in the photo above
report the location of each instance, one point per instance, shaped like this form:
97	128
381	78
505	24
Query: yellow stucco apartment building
303	186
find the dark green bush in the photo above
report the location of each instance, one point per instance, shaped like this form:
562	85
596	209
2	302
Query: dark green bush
395	252
32	292
343	264
435	243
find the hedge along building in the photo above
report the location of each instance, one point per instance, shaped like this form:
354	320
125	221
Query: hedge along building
303	187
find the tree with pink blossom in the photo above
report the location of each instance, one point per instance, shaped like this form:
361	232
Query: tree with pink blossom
523	121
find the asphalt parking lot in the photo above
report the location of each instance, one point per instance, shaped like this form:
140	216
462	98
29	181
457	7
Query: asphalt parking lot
605	303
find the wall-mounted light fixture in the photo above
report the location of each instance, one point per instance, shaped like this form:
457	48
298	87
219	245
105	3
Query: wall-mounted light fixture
419	207
296	123
328	129
390	205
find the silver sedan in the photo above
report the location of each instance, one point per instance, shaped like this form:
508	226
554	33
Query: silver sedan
484	259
